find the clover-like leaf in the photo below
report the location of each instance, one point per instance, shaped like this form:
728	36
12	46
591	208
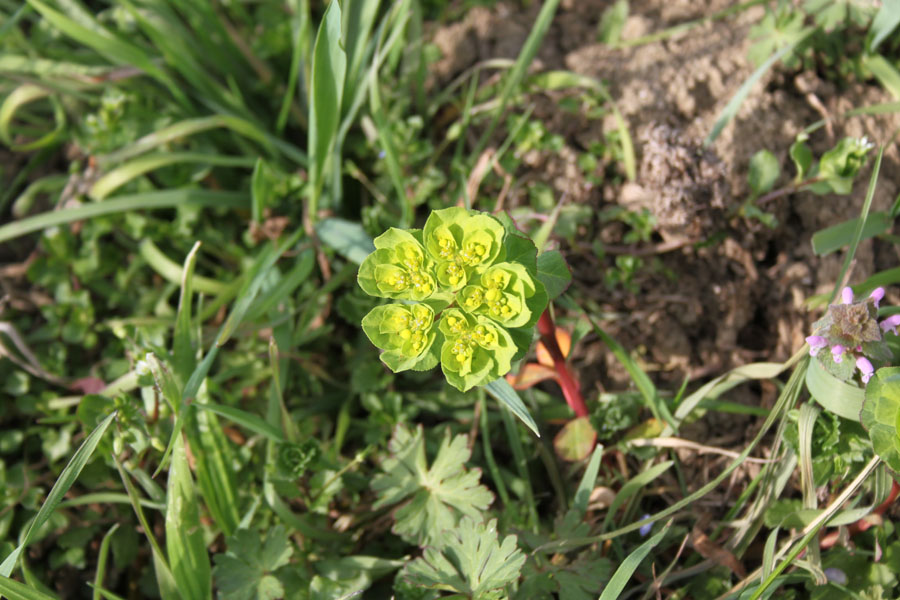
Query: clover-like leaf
475	351
469	560
244	572
406	333
880	415
437	497
399	268
461	242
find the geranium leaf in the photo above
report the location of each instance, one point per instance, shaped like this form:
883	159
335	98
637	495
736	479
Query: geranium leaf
468	560
438	496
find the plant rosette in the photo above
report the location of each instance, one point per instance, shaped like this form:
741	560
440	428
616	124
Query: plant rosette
468	270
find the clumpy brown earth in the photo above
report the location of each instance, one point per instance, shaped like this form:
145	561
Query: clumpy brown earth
705	307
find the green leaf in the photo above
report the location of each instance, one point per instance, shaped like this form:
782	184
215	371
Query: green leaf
575	440
885	22
837	396
245	419
407	335
734	104
612	22
881	415
348	238
802	157
764	172
468	560
244	571
185	546
886	73
620	578
58	491
438	496
329	67
14	590
828	240
553	272
507	396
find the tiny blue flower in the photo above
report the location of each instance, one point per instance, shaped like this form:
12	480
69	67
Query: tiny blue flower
835	575
645	529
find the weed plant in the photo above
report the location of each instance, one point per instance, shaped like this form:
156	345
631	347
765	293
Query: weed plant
223	219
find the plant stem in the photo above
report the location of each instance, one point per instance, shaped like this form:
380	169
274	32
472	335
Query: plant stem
570	388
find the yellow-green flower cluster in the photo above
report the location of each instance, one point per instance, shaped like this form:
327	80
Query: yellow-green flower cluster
472	293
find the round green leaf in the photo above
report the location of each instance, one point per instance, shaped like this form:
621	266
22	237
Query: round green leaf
881	415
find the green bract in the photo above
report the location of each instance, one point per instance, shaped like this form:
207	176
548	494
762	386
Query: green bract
475	350
398	268
405	333
474	273
462	243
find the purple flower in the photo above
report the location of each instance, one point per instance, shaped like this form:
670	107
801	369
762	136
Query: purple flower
837	353
876	295
816	343
865	367
645	529
890	324
836	575
847	295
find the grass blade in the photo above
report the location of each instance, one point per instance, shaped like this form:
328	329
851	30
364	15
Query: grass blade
134	169
734	104
586	485
143	201
506	395
633	485
63	483
185	546
620	578
328	72
15	590
245	419
515	75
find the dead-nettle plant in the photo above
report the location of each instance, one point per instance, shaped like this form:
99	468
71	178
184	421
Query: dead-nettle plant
468	296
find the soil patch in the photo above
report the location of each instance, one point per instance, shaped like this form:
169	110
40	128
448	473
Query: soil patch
716	290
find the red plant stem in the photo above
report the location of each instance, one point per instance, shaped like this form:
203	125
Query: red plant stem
831	539
570	388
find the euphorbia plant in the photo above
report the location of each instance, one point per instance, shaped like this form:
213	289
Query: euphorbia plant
468	291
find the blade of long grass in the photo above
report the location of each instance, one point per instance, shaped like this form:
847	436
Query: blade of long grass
246	420
164	577
21	96
588	480
731	109
83	28
326	88
523	61
521	462
63	483
508	397
635	484
143	201
620	578
185	546
256	276
118	177
14	590
787	397
300	35
863	217
172	271
648	391
102	556
885	72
